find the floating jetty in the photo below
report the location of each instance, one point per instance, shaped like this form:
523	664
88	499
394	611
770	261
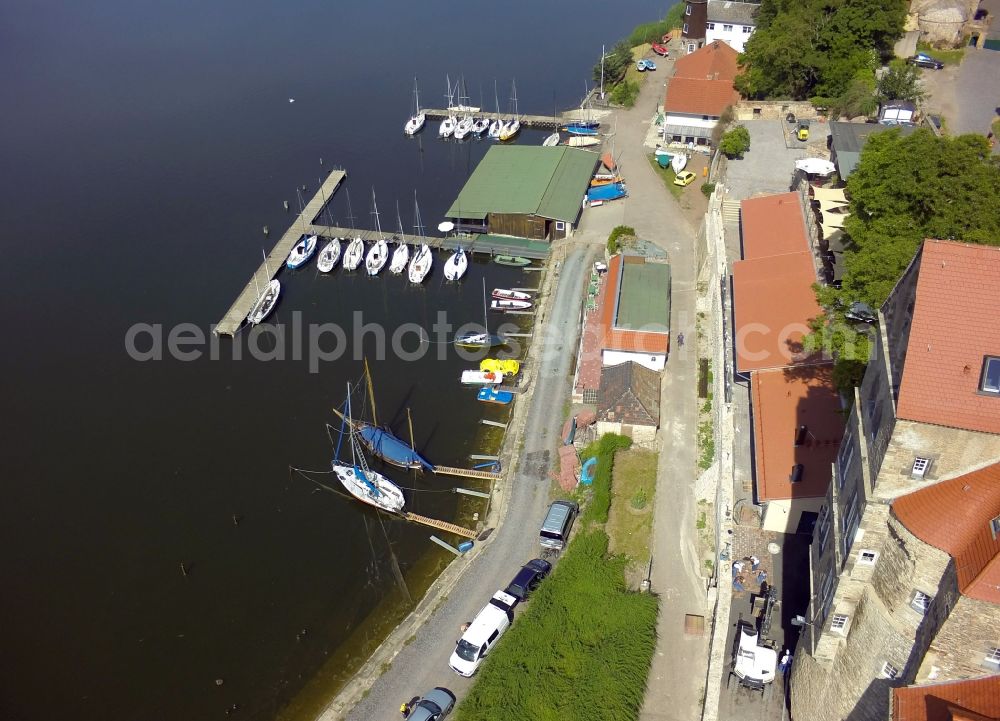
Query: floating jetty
540	122
441	525
468	473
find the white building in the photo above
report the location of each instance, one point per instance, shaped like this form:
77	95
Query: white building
731	22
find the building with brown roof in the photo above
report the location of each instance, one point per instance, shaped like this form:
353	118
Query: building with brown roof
975	700
904	561
700	89
628	402
635	312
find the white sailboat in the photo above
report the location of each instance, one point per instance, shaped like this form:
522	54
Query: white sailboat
401	255
497	125
366	485
355	251
447	127
513	126
378	254
329	256
266	300
422	260
551	140
416	122
472	339
456	265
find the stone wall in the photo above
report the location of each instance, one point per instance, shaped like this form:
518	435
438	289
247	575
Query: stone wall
775	110
960	647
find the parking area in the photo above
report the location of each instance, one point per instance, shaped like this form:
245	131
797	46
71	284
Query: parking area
769	164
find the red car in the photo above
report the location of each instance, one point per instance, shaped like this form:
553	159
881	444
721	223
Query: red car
660	50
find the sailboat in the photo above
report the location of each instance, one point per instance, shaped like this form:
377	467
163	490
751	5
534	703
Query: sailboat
329	256
378	254
551	140
422	260
266	300
366	485
678	162
416	122
472	339
401	255
447	126
355	251
513	126
302	252
497	125
456	265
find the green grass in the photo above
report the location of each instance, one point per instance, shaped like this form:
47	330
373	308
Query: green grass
633	487
667	175
948	57
706	444
581	649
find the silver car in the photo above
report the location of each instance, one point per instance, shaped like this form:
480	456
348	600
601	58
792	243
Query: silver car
434	706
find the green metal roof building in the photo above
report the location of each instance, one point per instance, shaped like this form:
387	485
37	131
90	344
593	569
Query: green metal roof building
526	191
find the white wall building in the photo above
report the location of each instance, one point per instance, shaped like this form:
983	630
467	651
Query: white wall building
731	22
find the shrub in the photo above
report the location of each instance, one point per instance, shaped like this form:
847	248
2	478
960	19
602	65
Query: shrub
735	142
604	449
708	189
625	93
618	232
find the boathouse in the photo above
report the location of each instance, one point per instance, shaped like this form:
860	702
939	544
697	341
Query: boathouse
525	191
635	312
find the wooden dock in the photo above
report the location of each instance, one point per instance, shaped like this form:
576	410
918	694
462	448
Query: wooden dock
440	525
471	243
237	313
539	122
468	473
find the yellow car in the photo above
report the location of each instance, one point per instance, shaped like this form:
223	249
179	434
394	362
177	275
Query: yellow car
685	177
803	130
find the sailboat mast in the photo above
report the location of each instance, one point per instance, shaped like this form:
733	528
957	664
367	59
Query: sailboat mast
409	421
350	425
399	222
371	392
378	225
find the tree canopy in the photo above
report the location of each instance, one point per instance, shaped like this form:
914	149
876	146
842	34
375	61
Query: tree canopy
906	188
803	48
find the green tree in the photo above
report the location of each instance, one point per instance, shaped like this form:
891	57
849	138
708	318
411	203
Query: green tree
616	63
859	97
900	82
905	189
675	16
735	142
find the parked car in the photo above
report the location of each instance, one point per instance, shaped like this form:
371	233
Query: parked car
557	524
923	60
528	578
435	705
482	634
685	177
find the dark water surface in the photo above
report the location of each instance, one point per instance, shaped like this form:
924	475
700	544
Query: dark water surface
144	145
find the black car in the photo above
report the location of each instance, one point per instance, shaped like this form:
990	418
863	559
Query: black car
528	578
924	61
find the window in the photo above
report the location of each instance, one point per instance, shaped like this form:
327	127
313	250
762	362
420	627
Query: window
920	602
824	529
889	671
560	225
992	659
867	557
920	466
874	417
685	29
687	10
710	26
826	593
990	382
851	520
995	527
839	622
747	29
844	458
727	28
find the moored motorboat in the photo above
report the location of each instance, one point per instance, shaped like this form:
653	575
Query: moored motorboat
302	251
354	254
506	304
481	377
492	395
420	264
507	366
329	256
507	294
551	140
265	302
513	260
456	265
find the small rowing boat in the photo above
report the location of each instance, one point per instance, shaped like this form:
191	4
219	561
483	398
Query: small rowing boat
507	294
513	260
510	305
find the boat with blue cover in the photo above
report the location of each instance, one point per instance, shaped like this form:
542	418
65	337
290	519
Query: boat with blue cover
492	395
577	129
613	191
302	251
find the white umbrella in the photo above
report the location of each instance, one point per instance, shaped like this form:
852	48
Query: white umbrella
815	166
446	226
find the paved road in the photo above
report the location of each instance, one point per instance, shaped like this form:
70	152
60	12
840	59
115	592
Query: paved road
423	663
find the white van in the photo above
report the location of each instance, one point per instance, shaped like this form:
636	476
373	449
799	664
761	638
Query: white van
482	634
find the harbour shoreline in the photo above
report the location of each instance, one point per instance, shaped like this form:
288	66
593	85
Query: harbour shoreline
355	689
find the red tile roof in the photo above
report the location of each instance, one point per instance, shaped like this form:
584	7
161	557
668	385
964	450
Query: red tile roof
773	225
717	61
702	83
699	97
773	302
954	515
972	700
784	400
624	340
950	336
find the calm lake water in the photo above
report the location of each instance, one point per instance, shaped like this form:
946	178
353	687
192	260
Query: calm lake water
145	145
